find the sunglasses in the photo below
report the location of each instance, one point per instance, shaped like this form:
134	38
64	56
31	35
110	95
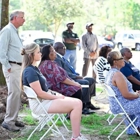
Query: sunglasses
119	59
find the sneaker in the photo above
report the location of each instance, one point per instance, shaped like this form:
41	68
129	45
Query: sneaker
81	137
10	127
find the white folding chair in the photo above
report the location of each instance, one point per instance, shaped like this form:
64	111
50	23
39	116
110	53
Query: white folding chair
111	93
44	118
111	117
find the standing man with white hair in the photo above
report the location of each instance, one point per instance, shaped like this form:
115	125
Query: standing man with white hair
11	60
90	47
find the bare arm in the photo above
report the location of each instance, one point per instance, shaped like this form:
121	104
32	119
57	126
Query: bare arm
118	80
42	94
71	82
71	40
133	79
67	40
75	40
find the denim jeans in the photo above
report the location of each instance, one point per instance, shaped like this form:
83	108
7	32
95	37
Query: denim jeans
70	55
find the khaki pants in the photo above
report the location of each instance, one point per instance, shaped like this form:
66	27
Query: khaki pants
14	92
86	66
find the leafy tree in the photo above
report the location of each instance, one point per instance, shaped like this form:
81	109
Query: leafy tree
108	16
49	14
62	10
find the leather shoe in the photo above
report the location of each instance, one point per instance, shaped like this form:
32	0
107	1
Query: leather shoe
86	111
19	124
10	127
92	107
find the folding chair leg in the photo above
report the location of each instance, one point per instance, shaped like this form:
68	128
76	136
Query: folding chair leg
131	124
33	131
116	128
58	131
63	122
110	121
64	118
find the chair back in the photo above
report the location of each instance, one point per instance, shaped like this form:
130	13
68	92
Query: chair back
29	92
109	90
111	93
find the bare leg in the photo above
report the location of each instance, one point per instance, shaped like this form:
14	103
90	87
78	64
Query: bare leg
72	106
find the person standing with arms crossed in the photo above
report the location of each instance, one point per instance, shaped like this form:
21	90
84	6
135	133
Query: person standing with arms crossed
90	47
11	60
70	39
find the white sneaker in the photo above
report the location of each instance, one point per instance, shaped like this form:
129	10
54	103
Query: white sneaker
81	137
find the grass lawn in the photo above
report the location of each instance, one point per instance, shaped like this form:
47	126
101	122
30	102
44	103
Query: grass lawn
94	126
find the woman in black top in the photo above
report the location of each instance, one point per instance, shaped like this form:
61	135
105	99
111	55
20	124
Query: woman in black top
58	103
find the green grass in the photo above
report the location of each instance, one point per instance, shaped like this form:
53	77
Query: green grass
99	89
95	125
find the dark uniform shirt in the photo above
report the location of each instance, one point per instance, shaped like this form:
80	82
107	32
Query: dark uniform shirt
69	34
32	74
130	69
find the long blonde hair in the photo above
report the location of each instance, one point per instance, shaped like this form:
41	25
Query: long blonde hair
28	56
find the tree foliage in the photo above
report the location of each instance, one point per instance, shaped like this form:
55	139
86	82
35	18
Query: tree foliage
108	16
49	14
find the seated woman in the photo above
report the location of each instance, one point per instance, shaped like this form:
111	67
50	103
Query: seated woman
32	77
57	77
129	99
101	66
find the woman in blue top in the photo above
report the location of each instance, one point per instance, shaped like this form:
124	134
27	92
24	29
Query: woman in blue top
32	77
129	99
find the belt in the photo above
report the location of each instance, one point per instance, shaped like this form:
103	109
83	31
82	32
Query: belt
15	63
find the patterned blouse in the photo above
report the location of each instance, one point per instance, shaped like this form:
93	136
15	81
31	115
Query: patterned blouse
101	68
55	75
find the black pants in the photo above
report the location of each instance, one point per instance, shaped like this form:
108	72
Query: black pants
77	94
87	93
135	87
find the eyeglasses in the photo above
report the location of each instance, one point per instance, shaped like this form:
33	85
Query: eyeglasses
119	59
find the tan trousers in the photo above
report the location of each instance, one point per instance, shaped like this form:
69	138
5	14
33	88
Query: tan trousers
14	93
86	66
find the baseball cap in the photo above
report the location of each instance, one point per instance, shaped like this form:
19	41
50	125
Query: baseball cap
89	24
70	22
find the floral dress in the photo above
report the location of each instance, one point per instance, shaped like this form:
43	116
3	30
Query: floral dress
132	107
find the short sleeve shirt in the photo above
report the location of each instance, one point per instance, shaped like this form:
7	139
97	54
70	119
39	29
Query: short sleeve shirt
32	74
69	34
130	69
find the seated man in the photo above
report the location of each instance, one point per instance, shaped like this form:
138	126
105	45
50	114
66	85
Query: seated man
61	61
129	70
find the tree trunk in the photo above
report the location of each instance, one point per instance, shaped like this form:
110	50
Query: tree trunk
4	21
